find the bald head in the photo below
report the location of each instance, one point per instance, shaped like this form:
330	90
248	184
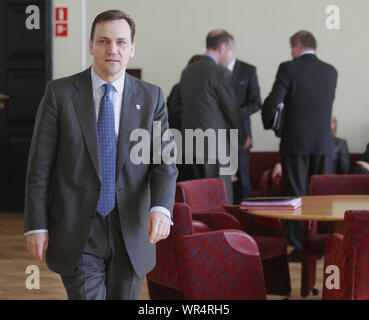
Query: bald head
220	44
217	37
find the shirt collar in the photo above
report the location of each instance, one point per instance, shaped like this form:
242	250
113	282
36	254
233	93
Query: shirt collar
212	57
307	52
231	65
97	82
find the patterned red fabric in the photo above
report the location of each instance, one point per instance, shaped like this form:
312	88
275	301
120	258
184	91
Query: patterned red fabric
339	184
351	255
315	234
202	194
265	183
258	226
270	186
259	162
207	200
210	265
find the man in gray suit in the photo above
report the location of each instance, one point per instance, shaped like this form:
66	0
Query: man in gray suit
95	213
209	102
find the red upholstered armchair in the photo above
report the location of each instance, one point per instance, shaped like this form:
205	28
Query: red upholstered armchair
222	264
209	196
350	253
315	233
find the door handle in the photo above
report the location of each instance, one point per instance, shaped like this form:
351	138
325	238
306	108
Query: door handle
3	97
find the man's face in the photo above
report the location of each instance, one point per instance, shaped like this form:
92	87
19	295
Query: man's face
227	53
111	48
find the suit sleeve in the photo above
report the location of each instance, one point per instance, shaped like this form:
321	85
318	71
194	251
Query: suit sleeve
230	106
279	91
253	103
366	154
41	163
163	176
344	158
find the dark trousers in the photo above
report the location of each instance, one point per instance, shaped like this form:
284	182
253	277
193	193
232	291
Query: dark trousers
104	270
297	171
242	187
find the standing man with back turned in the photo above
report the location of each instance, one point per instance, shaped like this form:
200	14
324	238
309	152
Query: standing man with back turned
209	102
95	214
306	86
246	86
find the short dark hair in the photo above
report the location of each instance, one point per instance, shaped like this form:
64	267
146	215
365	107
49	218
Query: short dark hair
305	38
113	15
216	37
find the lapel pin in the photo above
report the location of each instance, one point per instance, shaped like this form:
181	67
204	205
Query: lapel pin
138	107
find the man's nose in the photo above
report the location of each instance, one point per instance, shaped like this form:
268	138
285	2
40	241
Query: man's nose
112	48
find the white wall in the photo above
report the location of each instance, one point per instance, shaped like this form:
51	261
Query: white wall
169	32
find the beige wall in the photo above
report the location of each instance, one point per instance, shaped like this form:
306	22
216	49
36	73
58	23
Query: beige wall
169	32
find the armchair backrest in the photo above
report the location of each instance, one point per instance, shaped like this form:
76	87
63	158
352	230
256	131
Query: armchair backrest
201	194
339	184
356	230
356	236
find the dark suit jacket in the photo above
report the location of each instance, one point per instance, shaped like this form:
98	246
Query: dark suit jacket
175	109
307	87
359	169
341	156
208	98
246	87
63	178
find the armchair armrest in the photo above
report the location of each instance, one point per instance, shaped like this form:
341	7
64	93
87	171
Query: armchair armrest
218	220
276	188
220	265
257	226
199	226
264	185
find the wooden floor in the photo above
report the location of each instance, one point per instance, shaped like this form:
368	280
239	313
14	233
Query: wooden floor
14	259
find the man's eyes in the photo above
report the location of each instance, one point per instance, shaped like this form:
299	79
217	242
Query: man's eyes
119	42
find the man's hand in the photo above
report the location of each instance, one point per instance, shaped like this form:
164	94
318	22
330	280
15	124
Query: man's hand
247	143
37	244
277	170
158	226
364	164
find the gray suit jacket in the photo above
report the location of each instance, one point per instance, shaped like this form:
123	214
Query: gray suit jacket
63	177
209	100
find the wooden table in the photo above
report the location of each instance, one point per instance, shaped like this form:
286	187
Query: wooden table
319	208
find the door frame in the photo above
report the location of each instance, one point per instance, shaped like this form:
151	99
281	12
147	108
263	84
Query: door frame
49	5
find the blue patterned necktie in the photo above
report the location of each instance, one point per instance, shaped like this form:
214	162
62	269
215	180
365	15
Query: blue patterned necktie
107	150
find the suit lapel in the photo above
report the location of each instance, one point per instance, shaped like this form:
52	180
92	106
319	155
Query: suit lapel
236	74
85	108
129	120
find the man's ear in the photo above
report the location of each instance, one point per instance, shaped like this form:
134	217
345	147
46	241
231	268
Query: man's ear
90	47
133	50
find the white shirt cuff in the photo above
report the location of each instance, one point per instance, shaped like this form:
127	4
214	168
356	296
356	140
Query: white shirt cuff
164	211
35	231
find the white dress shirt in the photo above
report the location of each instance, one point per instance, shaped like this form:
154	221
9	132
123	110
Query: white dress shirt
307	52
230	66
116	97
